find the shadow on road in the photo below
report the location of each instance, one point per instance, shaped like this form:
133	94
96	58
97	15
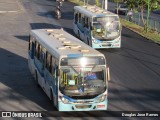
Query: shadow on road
50	26
15	74
25	38
42	26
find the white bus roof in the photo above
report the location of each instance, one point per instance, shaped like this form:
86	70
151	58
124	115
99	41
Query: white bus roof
60	43
93	11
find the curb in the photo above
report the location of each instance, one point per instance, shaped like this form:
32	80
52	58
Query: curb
158	43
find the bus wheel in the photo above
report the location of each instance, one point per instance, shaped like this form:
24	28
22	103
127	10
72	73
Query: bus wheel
37	78
89	42
52	99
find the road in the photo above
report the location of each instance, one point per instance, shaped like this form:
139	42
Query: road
135	76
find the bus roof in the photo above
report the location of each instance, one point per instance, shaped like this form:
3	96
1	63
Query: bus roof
60	43
93	11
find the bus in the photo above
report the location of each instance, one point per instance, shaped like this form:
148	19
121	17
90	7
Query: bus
72	74
97	27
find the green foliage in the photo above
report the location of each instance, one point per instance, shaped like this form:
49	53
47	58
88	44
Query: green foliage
142	5
131	4
98	3
118	1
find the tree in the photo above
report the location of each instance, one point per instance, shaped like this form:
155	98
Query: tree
118	1
98	3
131	4
150	5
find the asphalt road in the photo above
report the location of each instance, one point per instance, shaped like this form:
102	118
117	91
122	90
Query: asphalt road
135	68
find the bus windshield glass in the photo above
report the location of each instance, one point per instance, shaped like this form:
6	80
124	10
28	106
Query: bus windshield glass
82	80
107	27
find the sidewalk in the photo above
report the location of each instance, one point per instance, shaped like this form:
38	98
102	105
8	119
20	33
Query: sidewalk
9	6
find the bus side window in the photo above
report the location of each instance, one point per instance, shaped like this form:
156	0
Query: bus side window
90	26
39	52
29	43
86	23
79	17
48	62
53	67
35	48
57	71
83	21
42	54
76	18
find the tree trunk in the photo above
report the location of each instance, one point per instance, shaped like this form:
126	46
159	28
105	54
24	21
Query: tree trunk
142	17
117	7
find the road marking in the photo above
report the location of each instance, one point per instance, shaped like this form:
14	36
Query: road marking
16	5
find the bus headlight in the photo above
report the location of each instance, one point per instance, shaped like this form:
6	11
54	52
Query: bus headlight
117	40
64	100
101	98
95	41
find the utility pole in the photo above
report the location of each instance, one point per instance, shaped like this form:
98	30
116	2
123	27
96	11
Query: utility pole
105	4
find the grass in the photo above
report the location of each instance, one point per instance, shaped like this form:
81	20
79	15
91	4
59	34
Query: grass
78	2
151	35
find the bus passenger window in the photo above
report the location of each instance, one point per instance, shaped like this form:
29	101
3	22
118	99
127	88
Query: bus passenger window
48	62
86	23
79	18
76	18
53	67
29	44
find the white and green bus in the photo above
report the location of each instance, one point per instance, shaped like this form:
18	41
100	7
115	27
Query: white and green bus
97	27
73	75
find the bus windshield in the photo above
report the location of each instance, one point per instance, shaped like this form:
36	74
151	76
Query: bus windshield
107	27
80	81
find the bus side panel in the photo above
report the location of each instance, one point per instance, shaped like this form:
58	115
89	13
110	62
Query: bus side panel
39	66
75	29
31	59
50	83
31	65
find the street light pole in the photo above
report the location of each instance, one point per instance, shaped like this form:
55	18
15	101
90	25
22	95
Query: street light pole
148	12
105	4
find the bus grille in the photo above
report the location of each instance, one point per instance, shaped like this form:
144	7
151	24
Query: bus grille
83	102
108	44
83	106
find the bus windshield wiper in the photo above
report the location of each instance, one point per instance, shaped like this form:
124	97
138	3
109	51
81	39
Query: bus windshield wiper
73	69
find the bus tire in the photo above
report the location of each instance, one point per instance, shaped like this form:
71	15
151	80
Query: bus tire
51	95
89	42
36	79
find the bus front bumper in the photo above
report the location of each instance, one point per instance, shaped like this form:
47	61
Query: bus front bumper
83	107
